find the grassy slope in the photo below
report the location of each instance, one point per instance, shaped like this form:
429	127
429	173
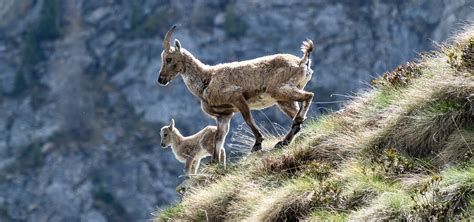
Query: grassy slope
399	150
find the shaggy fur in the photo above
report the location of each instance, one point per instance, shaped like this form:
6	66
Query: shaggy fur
243	86
190	150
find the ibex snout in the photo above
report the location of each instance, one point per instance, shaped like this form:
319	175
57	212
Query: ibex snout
162	81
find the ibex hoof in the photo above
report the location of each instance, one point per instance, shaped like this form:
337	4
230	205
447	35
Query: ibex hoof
181	190
281	144
256	147
183	187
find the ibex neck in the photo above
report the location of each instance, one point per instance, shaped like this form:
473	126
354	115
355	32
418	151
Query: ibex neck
176	138
196	75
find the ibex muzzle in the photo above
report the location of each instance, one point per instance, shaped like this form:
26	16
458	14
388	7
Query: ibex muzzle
162	81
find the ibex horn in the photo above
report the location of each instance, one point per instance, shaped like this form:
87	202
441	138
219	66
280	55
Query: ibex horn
166	41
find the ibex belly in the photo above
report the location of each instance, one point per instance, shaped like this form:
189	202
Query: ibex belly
261	102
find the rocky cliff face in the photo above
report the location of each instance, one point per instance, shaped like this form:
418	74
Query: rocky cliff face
81	111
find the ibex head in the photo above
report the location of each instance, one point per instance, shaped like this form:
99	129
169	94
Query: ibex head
171	59
165	134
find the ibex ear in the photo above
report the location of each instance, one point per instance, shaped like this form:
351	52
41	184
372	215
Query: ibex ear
172	124
177	45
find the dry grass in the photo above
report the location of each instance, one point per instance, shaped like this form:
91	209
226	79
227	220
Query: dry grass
287	203
367	161
458	147
210	202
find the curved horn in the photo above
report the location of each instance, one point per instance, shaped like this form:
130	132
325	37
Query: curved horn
166	41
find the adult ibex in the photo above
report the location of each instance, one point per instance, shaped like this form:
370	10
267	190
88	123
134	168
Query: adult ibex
242	86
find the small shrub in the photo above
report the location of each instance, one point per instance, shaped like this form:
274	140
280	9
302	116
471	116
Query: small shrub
427	201
467	55
401	76
363	182
461	56
393	163
329	195
434	203
317	170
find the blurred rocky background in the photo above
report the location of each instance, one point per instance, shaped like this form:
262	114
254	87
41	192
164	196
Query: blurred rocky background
80	110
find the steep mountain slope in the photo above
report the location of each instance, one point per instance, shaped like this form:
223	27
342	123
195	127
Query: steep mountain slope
80	108
402	150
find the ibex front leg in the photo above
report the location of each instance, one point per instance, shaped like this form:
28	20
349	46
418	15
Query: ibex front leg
188	166
223	122
242	106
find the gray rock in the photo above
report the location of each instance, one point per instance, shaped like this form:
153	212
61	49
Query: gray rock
7	78
98	14
31	127
11	10
93	216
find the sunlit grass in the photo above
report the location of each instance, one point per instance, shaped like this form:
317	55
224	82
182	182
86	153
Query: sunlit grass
328	216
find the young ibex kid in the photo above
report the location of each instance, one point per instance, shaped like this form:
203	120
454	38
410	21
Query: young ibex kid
243	86
191	149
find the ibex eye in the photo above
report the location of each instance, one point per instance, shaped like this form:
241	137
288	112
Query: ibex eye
168	60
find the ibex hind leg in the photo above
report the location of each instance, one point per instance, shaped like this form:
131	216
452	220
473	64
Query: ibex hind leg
290	109
289	98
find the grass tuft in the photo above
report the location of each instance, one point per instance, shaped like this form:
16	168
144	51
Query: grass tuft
169	213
